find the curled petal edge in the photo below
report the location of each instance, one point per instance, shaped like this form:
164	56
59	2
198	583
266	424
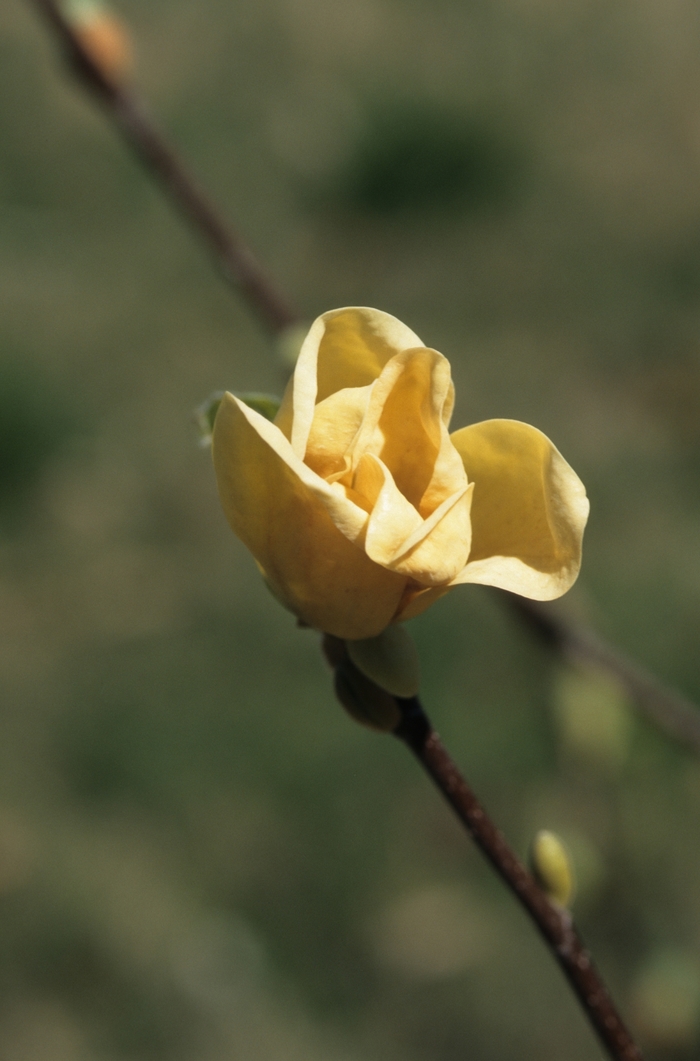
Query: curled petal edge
300	530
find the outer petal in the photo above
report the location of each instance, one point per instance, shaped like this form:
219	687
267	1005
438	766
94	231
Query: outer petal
529	511
299	529
344	348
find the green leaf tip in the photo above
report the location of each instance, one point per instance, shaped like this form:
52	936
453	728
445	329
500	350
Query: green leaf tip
364	701
205	414
266	404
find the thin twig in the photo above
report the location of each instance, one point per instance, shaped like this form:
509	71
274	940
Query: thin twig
667	709
363	698
555	925
671	712
238	264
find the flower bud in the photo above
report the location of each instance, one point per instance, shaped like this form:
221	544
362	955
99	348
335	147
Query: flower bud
390	660
103	35
364	701
552	867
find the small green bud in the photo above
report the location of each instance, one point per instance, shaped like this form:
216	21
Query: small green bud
390	660
552	867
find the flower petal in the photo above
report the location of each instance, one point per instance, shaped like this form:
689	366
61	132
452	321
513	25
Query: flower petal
438	551
431	551
529	511
336	421
405	426
344	348
393	519
299	529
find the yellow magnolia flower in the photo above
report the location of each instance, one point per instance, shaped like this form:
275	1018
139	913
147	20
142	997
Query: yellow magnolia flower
359	506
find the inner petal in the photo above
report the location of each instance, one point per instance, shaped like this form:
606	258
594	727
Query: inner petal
405	426
432	551
393	519
336	421
437	552
409	432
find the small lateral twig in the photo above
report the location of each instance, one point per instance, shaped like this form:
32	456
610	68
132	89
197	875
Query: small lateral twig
363	698
672	713
666	708
237	262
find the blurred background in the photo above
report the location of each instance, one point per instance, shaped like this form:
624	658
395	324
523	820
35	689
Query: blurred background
201	857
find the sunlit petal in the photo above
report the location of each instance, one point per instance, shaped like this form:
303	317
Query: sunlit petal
337	419
344	348
529	510
405	426
430	551
300	530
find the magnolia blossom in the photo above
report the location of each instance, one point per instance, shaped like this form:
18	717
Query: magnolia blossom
361	508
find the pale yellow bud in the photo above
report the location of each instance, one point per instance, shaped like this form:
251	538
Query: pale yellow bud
552	867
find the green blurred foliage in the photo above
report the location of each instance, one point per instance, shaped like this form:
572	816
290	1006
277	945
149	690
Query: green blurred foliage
35	422
409	157
200	854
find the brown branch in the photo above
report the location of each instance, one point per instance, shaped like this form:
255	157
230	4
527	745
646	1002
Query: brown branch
238	264
363	698
555	926
667	709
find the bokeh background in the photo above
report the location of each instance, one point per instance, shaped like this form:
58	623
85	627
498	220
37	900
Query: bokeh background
201	857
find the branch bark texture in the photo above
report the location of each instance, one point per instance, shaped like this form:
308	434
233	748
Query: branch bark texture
407	720
554	925
238	264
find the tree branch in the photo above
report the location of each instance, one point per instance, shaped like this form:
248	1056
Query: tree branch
667	709
238	264
555	925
